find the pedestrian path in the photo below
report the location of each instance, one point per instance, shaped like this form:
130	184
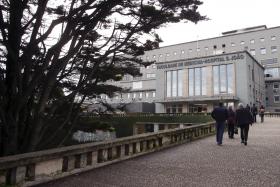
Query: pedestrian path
199	163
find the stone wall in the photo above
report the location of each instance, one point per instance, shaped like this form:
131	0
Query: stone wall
43	166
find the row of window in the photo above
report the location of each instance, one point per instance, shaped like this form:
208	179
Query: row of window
252	41
263	50
129	78
272	72
148	94
223	81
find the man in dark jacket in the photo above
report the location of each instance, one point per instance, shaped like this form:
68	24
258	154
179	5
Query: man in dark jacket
220	115
254	111
243	119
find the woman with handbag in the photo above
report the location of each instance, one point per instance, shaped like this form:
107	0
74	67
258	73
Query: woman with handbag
231	122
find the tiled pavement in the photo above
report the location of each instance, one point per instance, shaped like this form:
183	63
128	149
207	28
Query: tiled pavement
200	163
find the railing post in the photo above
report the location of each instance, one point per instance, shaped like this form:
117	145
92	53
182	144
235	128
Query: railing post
16	175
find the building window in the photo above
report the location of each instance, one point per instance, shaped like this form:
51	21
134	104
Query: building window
167	54
273	38
147	94
137	85
269	61
232	44
140	95
276	98
160	55
174	83
206	48
263	51
197	49
223	79
272	72
154	66
273	49
197	81
134	95
128	95
154	94
151	75
190	50
191	82
253	52
175	53
242	43
168	84
261	39
275	85
182	51
154	56
252	41
174	108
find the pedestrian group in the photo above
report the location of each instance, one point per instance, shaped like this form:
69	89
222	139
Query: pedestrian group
243	117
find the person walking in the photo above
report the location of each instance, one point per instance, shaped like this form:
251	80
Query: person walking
262	113
254	111
231	122
220	115
243	119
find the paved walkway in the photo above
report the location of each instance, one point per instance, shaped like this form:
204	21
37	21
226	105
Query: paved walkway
200	163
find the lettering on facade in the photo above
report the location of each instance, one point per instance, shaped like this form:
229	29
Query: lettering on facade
202	61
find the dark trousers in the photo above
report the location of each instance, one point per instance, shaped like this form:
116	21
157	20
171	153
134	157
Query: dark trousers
255	117
220	128
230	130
244	132
262	115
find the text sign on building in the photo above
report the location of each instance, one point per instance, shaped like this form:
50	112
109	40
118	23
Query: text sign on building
202	61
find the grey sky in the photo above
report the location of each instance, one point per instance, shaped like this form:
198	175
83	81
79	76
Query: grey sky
225	15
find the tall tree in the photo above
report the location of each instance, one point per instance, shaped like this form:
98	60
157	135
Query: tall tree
55	54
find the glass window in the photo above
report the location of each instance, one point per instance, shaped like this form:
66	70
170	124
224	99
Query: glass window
182	51
154	94
275	86
128	95
197	81
242	43
154	56
216	78
252	41
137	85
206	48
134	95
271	72
167	54
190	50
253	52
151	75
191	82
232	44
273	49
154	66
180	83
140	95
261	39
230	78
175	53
147	94
168	84
197	49
276	98
263	51
174	83
273	38
223	76
204	81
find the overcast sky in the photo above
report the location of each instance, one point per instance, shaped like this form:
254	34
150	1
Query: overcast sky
225	15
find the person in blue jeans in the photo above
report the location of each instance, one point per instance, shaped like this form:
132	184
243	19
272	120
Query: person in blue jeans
220	115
